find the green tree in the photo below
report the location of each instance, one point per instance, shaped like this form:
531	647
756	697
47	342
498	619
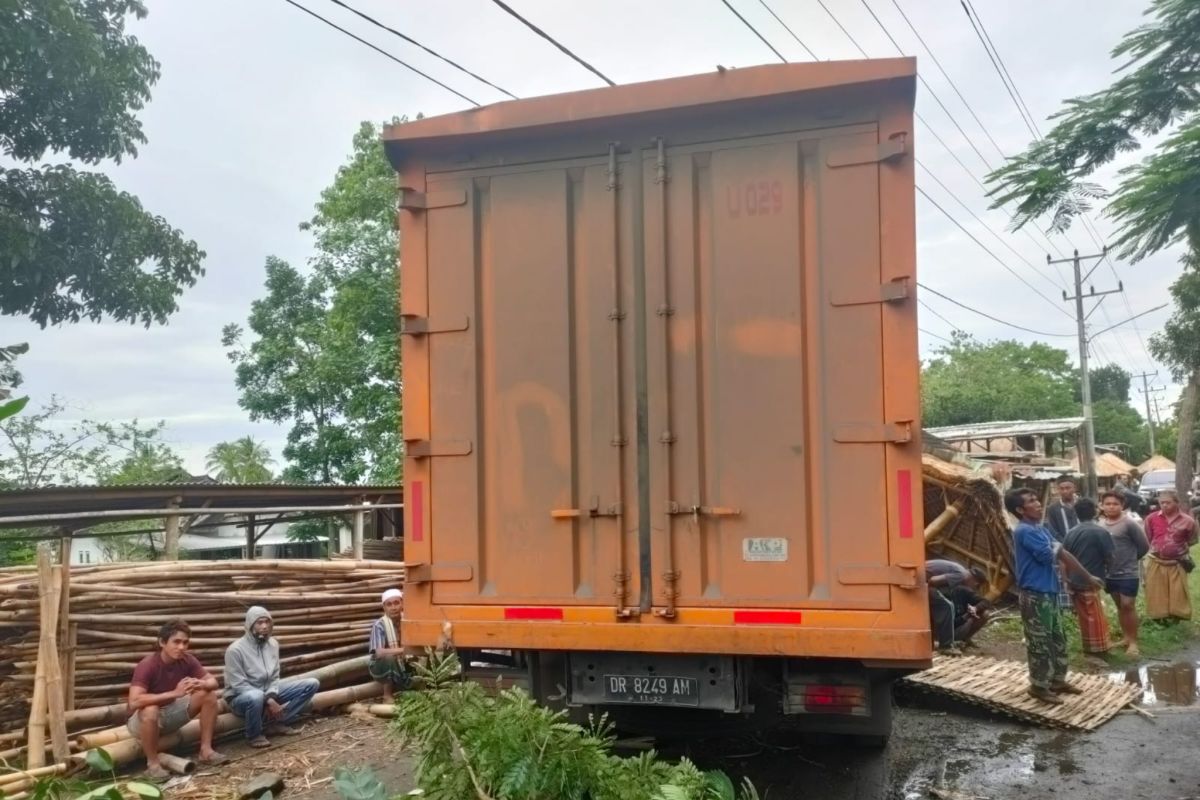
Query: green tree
1110	382
969	381
1178	345
1118	423
240	461
42	449
323	354
73	246
1157	201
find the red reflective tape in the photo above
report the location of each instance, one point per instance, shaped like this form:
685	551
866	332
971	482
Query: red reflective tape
417	504
533	612
904	503
766	617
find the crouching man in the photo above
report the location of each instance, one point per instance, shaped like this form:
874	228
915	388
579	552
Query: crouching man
386	664
252	686
169	688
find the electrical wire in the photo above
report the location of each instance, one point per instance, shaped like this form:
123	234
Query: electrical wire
928	88
950	299
936	335
379	50
1020	111
946	75
554	42
754	30
414	42
953	155
988	250
934	311
789	30
967	4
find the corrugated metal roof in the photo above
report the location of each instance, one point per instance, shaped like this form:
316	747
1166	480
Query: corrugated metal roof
1006	429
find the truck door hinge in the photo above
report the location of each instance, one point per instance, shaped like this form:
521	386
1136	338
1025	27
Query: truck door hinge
412	200
593	510
425	448
903	576
889	149
440	572
873	432
892	291
416	325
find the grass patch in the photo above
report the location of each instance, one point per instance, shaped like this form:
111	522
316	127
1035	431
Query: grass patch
1155	639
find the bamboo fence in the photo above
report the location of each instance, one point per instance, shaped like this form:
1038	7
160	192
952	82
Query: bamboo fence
69	639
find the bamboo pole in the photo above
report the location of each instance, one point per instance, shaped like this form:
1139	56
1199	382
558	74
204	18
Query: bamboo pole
943	520
171	533
176	764
36	754
31	774
55	704
128	750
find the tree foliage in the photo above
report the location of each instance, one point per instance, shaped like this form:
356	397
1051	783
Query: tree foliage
1110	382
42	448
1178	345
969	381
1119	423
240	461
472	745
1157	202
323	351
72	245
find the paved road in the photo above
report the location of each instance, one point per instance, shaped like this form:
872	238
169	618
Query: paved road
980	755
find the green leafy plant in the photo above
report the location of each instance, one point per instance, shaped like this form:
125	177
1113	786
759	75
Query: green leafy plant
508	747
359	784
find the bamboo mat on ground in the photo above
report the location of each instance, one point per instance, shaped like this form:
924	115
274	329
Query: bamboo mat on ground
1003	686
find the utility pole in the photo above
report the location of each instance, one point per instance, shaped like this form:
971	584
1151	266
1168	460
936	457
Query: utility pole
1146	390
1087	458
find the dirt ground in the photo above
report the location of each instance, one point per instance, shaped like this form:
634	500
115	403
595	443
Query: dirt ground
939	749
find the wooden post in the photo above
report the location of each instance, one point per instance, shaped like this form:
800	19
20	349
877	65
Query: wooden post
171	533
250	542
356	541
66	647
47	682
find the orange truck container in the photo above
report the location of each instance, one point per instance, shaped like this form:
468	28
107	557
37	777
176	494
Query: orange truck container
660	384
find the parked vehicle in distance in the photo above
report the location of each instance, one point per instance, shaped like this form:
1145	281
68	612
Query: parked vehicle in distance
661	404
1152	483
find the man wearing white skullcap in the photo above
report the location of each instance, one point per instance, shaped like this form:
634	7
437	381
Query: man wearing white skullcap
387	655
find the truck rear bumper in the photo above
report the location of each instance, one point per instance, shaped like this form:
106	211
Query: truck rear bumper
881	647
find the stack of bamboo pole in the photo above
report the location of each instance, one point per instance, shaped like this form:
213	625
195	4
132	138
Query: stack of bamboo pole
323	611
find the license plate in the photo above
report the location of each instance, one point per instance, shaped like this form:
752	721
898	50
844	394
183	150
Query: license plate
661	690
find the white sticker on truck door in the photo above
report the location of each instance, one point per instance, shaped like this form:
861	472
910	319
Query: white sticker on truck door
765	548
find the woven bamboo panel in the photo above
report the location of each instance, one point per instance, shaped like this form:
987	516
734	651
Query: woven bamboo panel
1003	686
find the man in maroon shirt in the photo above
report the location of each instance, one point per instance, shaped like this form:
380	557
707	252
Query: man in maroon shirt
169	688
1172	534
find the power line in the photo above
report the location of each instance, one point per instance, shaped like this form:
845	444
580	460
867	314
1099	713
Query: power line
953	155
789	30
413	41
950	299
934	311
1020	111
555	42
936	335
1003	66
754	30
379	50
932	93
946	75
988	250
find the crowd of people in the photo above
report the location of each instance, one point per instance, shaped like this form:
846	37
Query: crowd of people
1075	548
170	687
1069	555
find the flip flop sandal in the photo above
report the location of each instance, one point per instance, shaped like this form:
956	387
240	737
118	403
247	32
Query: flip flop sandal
260	742
215	760
157	773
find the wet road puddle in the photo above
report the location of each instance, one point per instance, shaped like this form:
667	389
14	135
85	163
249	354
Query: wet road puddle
1011	761
1163	684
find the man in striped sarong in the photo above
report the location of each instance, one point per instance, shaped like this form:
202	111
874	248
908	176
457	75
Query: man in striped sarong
1092	546
386	664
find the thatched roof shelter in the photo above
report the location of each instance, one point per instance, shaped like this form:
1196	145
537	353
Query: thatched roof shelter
1155	462
965	521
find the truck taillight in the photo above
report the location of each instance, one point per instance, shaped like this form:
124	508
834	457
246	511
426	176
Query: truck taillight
809	696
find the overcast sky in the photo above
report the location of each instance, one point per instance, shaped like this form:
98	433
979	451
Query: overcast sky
258	102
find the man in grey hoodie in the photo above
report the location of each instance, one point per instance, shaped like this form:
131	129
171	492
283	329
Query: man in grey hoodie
252	686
